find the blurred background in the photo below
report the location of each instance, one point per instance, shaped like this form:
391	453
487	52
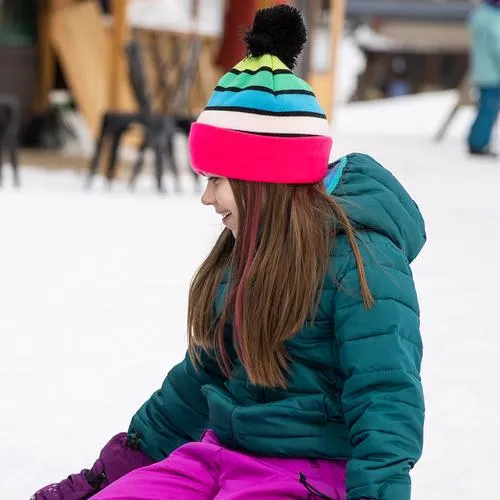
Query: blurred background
101	227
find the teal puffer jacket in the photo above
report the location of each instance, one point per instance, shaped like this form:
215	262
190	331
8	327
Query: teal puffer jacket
354	391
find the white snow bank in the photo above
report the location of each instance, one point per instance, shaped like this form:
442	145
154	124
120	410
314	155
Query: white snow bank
175	15
414	115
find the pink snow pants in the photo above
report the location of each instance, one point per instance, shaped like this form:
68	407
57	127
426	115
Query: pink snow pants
206	470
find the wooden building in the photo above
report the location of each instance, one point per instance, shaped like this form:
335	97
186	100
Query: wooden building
411	45
81	42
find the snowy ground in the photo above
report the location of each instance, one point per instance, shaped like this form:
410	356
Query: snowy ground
93	289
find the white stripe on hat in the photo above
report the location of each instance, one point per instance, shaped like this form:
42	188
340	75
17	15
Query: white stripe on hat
266	124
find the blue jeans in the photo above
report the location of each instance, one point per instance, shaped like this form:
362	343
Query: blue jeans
487	113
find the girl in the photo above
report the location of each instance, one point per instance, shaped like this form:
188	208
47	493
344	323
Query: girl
302	373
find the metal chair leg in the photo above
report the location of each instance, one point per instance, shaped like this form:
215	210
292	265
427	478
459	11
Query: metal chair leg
1	164
94	165
139	163
14	160
113	157
172	160
158	149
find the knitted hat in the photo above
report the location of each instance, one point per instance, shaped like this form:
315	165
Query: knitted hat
262	122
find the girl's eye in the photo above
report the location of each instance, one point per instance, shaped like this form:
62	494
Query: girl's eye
213	179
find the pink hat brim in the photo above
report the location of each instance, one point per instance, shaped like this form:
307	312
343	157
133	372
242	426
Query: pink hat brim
258	158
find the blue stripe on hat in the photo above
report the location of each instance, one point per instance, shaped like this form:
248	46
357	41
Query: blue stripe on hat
263	101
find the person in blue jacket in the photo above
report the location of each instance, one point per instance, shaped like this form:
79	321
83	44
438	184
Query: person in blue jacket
484	26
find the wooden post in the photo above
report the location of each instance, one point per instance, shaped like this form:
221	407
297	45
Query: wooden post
264	4
46	55
119	38
337	19
59	4
47	61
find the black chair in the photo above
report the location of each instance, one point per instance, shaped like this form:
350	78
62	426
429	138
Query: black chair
159	129
10	120
180	90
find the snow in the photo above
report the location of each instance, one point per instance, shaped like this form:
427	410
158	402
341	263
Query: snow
176	15
407	116
93	295
366	36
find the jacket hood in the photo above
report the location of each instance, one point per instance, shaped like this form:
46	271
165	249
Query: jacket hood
375	200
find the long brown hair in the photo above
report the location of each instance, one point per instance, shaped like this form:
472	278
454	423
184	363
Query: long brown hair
276	268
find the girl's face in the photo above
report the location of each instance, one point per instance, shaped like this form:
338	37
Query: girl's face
219	194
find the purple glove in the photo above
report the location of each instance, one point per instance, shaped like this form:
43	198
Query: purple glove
120	456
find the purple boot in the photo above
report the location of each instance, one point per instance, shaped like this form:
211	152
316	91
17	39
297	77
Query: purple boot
120	456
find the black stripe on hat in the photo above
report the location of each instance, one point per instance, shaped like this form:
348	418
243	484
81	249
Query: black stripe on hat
262	68
273	134
265	113
264	89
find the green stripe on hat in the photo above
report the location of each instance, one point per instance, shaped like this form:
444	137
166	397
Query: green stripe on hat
264	79
256	63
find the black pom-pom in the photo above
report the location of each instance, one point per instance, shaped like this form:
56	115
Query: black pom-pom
279	31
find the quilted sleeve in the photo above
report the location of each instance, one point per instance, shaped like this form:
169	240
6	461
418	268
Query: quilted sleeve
381	353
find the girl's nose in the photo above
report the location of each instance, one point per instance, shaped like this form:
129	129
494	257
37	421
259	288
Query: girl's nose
207	197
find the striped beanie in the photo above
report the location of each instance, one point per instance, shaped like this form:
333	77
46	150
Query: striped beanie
263	123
